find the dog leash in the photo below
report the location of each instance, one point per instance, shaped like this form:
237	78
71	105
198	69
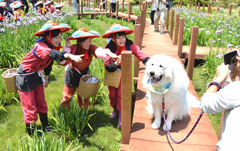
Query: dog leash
164	117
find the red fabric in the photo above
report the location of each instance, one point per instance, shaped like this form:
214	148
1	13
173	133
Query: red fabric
85	62
33	102
115	97
68	94
31	63
1	17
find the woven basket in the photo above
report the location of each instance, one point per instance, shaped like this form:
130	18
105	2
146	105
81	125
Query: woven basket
9	80
112	78
88	89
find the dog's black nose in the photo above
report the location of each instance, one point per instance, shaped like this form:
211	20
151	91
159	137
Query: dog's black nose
152	73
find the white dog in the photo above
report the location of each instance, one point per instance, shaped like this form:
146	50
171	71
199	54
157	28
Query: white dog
166	80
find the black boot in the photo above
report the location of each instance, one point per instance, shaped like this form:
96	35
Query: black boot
30	129
44	120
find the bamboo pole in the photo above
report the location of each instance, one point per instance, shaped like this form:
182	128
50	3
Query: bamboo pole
126	79
193	46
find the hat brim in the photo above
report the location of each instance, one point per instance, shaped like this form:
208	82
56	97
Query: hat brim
84	36
109	34
63	29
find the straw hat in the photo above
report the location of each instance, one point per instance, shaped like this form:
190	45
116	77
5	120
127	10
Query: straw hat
15	4
38	3
60	5
84	33
2	4
116	28
52	26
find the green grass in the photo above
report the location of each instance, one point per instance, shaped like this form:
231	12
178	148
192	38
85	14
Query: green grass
199	83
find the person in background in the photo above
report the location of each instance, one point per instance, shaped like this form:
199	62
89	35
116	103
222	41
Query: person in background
40	7
223	95
59	7
113	5
154	8
119	43
30	80
160	14
33	4
17	11
9	9
2	11
75	4
76	70
49	6
25	4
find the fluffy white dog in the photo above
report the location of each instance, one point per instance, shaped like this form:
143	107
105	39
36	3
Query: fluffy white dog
166	80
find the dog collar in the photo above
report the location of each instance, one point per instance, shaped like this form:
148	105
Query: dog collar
159	89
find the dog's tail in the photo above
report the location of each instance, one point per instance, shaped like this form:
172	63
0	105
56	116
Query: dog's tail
192	101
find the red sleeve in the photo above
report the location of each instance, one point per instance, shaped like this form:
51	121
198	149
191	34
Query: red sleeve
137	52
93	49
42	50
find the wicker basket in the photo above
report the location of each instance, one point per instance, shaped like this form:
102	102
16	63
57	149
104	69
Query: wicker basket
88	86
9	80
112	78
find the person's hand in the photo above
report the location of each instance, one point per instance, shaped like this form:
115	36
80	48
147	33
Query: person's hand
110	54
67	42
118	60
76	58
222	72
45	84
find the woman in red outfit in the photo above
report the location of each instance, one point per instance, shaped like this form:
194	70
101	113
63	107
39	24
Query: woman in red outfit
30	80
119	43
76	70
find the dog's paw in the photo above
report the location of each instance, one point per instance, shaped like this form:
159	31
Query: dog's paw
168	127
156	125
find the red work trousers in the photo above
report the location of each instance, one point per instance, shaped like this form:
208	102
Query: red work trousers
68	93
33	102
115	97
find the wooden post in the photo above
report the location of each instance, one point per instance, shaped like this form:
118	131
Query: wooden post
69	2
94	4
126	79
195	6
129	11
140	5
137	41
110	10
171	26
122	6
192	51
209	8
117	7
190	5
203	8
167	22
239	12
218	9
198	6
178	3
106	5
230	9
175	39
180	39
81	8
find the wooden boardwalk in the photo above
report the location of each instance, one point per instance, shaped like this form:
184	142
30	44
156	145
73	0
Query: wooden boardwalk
143	137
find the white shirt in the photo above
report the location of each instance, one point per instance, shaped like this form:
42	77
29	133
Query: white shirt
227	99
113	1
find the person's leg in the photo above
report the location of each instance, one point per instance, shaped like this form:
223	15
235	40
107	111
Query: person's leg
81	103
162	19
113	7
67	95
29	109
42	108
119	106
156	21
152	16
113	101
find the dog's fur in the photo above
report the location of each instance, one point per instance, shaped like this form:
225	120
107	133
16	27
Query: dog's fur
160	70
